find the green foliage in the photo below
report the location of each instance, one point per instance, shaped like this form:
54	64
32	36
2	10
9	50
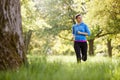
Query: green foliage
105	14
95	32
98	68
52	20
59	14
47	22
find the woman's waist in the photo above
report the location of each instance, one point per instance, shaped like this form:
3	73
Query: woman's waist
80	37
80	40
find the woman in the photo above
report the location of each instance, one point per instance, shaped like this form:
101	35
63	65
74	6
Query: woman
80	30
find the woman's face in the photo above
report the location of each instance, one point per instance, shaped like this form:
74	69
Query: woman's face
79	19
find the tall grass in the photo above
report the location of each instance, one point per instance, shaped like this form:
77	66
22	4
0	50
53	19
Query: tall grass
65	68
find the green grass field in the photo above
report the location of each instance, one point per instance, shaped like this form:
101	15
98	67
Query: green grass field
65	68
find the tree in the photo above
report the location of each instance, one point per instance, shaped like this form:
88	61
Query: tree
109	47
106	15
60	16
95	33
11	41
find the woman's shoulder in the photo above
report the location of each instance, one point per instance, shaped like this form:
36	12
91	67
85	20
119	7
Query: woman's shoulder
84	24
74	25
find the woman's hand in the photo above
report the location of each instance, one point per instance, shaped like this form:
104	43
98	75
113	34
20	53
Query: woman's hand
73	37
79	32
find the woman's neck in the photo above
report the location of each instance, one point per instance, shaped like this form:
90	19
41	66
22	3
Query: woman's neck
79	22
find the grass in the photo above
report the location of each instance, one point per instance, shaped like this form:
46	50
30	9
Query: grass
65	68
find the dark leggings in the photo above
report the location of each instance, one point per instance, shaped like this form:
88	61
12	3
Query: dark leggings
80	50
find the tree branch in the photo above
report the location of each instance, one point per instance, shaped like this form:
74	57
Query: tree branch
105	34
98	33
65	38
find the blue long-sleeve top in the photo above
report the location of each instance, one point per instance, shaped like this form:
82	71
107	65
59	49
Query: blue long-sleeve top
82	27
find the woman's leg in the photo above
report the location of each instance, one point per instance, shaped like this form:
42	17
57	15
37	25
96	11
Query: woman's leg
77	51
83	47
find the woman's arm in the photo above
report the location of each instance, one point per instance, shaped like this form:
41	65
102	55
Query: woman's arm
83	33
86	33
73	37
73	34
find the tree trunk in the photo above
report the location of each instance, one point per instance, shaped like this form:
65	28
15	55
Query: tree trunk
11	39
27	40
91	47
109	46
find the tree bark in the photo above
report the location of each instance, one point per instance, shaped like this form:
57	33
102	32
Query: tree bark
27	39
11	39
109	46
91	47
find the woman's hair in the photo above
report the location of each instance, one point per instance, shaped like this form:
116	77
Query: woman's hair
77	16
